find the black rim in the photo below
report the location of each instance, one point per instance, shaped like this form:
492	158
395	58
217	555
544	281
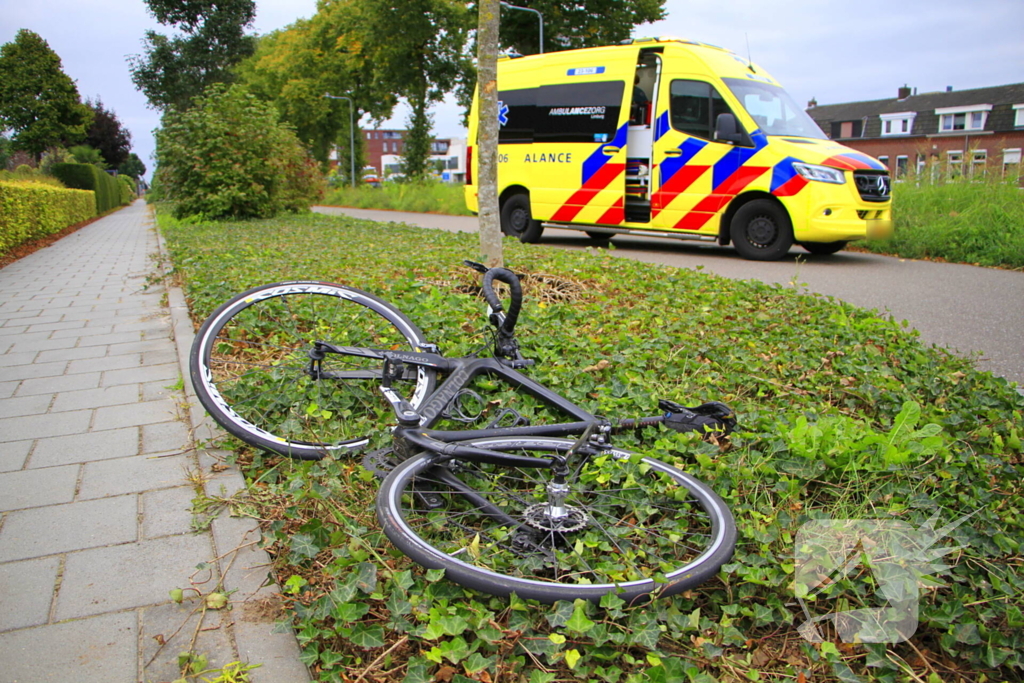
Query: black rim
518	220
762	232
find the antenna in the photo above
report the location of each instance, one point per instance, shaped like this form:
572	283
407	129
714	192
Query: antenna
750	62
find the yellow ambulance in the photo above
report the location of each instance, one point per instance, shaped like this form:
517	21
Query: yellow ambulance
673	138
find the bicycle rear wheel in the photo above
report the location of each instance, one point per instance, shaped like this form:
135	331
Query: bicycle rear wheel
635	526
250	359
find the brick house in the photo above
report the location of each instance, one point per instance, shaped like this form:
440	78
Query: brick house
955	132
385	147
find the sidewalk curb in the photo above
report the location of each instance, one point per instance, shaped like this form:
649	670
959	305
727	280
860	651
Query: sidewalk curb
245	567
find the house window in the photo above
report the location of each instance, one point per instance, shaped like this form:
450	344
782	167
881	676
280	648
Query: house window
846	129
1018	116
921	161
972	117
885	161
954	164
1011	163
901	166
979	159
900	123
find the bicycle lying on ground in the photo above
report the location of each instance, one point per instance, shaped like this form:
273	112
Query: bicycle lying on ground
310	369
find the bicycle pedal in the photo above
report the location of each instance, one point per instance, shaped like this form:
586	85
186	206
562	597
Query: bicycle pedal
429	500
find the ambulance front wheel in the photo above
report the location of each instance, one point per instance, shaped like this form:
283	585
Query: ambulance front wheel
761	231
517	220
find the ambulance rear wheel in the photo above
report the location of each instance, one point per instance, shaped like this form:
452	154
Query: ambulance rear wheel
517	221
761	231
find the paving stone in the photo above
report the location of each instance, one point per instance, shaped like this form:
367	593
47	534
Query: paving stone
236	539
115	338
39	426
25	405
168	372
28	318
35	488
165	437
131	360
176	624
26	592
54	369
278	653
20	344
55	326
102	445
105	478
7	389
99	650
131	575
115	417
84	332
61	528
23	358
167	512
95	398
72	354
13	455
52	385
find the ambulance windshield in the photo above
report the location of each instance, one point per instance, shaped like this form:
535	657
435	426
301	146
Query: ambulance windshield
773	109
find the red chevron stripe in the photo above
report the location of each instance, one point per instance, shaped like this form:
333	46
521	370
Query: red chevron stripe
682	179
723	194
581	197
791	186
615	215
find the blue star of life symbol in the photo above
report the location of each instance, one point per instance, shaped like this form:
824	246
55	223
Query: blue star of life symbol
502	113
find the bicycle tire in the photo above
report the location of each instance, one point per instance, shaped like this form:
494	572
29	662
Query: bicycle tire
248	366
686	538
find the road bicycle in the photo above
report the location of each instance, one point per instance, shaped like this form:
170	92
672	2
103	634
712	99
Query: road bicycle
313	369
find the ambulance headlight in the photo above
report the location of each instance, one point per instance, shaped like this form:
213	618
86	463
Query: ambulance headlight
821	174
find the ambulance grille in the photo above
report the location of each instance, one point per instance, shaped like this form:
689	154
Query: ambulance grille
873	186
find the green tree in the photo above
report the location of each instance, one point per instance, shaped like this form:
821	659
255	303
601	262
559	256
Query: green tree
132	166
84	154
572	25
229	157
173	71
422	61
38	101
107	135
5	151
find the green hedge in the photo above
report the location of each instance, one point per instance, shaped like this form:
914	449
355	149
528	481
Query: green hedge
126	184
88	177
31	210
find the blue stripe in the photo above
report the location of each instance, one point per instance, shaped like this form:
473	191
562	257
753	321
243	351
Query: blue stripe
598	158
735	158
671	165
661	125
783	172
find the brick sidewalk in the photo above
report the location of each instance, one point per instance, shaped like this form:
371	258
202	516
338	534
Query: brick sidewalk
97	477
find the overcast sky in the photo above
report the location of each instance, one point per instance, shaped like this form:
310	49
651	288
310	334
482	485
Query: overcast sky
831	50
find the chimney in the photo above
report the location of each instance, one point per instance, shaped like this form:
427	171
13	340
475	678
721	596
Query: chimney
949	88
812	104
903	93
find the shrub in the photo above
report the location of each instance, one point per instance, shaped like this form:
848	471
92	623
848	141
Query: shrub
31	210
88	177
126	184
229	156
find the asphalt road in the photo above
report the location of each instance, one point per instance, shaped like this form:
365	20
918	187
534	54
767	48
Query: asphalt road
973	311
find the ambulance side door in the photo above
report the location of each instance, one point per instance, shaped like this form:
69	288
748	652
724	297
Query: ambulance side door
695	175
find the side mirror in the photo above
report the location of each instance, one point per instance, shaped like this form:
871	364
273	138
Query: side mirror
728	130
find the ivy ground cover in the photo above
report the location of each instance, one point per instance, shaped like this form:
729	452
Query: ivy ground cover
844	415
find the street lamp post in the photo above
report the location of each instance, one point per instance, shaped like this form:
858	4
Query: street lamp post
351	134
540	18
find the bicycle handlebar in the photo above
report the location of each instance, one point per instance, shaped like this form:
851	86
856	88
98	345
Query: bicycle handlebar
516	289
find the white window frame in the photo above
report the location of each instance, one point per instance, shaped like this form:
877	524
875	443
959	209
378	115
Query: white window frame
906	166
893	124
950	113
1018	118
979	162
1011	161
884	160
954	163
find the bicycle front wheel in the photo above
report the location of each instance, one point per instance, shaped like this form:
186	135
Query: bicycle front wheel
250	367
630	525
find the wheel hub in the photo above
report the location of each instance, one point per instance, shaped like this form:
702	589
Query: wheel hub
539	517
762	231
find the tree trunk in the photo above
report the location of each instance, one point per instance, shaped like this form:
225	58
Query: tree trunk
487	133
